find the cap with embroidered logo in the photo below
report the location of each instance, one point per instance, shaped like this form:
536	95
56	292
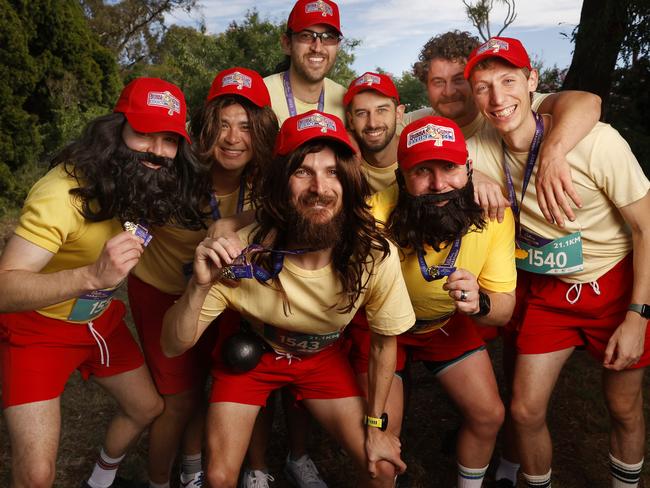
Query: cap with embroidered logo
153	105
299	129
243	82
431	138
371	81
306	13
512	50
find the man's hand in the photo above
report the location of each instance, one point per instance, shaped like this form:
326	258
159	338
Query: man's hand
383	446
211	256
120	254
463	289
488	194
553	184
626	345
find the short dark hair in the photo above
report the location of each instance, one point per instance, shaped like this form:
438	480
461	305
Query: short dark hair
452	46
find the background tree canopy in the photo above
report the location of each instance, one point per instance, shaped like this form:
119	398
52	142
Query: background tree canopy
64	62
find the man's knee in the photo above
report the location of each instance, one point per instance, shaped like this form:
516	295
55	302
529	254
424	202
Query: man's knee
34	473
181	405
147	410
626	411
526	414
221	477
487	417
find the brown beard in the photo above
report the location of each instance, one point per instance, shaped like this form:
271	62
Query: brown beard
418	221
306	231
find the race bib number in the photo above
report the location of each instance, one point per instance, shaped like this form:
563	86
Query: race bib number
299	343
90	305
549	256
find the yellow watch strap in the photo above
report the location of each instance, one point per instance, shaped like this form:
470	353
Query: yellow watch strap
373	421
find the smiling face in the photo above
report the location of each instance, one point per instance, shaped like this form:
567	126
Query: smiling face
311	60
502	94
373	118
448	91
164	144
233	149
435	177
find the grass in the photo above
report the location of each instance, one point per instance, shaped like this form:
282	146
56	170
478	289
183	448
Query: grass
578	421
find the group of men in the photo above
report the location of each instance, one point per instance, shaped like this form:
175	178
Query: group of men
400	235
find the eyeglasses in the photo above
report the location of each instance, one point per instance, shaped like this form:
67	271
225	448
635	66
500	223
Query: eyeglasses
308	36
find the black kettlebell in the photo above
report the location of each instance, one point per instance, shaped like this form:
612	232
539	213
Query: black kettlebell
242	351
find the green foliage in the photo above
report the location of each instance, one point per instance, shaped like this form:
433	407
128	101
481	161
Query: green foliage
411	91
52	68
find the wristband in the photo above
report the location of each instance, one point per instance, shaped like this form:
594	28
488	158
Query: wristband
380	423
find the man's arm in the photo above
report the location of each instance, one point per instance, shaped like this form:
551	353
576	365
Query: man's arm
488	194
626	345
501	303
575	113
181	325
227	227
381	445
24	287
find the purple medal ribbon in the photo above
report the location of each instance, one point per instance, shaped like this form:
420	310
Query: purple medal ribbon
530	164
214	203
241	268
291	103
431	273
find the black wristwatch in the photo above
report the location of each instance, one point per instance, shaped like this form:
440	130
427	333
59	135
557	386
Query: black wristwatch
484	305
381	423
643	309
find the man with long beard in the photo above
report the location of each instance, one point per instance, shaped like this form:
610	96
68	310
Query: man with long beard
310	45
65	260
315	258
459	269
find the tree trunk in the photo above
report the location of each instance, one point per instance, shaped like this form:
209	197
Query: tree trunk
598	41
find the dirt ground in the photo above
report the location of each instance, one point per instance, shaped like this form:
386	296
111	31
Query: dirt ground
578	422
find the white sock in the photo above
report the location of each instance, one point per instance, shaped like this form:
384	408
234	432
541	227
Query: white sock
507	470
104	471
624	475
470	477
191	463
538	481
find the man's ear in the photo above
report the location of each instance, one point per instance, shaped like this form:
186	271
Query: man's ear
533	80
285	44
399	113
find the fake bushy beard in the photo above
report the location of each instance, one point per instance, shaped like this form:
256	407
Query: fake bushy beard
305	226
417	221
144	193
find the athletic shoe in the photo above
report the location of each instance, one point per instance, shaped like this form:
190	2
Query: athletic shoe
254	478
192	480
303	473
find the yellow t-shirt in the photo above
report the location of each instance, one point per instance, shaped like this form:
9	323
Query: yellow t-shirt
468	130
488	254
51	219
606	176
333	99
314	299
379	178
172	247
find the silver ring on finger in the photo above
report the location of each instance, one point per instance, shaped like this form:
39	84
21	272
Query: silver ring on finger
463	295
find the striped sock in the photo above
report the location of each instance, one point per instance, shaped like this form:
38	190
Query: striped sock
539	481
104	471
470	477
624	475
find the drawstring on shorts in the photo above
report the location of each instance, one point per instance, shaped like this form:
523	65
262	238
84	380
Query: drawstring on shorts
577	288
101	343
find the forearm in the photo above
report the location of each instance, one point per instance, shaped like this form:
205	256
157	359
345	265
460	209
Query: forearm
501	307
575	113
381	368
641	266
229	225
22	290
181	328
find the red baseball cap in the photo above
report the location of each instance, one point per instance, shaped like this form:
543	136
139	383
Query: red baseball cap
153	105
431	138
243	82
299	129
512	50
306	13
371	81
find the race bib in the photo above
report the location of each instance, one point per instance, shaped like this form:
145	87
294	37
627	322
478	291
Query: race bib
539	255
90	305
299	343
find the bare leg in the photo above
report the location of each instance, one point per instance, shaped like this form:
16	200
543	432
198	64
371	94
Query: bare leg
260	437
228	432
139	402
298	425
624	397
394	402
34	430
473	388
535	378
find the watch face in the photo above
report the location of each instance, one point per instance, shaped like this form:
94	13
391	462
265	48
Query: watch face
645	311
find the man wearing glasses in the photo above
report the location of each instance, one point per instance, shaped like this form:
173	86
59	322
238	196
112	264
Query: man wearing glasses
310	43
